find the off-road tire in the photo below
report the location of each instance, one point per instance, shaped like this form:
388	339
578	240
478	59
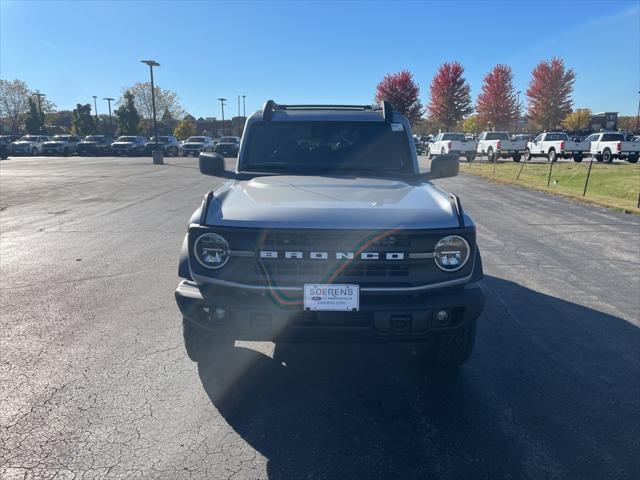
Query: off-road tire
516	157
527	156
632	159
490	155
453	348
202	344
577	158
606	156
551	155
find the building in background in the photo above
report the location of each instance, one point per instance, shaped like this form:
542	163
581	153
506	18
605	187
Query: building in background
603	121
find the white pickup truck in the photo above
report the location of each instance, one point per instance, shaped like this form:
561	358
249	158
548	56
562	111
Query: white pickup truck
554	145
605	146
455	143
499	144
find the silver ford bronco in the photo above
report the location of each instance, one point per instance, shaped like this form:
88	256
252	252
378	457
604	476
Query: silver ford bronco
327	231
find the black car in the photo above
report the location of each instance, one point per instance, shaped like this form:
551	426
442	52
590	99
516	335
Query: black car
95	145
228	146
5	140
169	145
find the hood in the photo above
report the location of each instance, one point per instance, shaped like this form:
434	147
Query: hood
54	142
328	202
193	144
88	143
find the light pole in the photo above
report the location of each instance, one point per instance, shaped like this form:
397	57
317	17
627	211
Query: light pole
40	95
238	105
109	100
157	156
517	109
638	116
222	100
95	109
244	107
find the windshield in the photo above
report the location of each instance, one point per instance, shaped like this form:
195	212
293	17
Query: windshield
28	138
61	138
196	139
126	139
228	140
94	138
326	147
454	136
497	136
160	139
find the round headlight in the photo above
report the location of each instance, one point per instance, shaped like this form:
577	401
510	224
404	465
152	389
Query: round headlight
451	253
211	250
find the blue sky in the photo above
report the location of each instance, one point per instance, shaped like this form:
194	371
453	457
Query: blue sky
323	52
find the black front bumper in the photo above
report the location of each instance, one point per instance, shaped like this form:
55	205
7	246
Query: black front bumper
381	318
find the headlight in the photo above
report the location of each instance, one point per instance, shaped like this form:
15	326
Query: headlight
211	250
451	253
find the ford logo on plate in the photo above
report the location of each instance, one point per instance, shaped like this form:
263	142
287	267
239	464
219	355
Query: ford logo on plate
316	298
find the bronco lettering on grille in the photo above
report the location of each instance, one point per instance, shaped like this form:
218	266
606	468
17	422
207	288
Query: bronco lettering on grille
326	256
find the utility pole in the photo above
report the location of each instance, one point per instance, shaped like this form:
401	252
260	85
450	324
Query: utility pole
157	155
95	109
517	110
238	105
638	117
244	107
222	100
40	95
109	100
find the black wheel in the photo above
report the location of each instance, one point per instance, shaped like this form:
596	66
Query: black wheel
551	155
442	151
452	348
577	158
202	344
516	157
34	151
632	159
606	156
527	156
471	158
598	158
491	157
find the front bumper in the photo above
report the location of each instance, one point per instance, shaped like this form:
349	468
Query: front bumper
267	316
53	150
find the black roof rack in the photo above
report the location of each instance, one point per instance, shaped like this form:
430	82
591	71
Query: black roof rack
270	106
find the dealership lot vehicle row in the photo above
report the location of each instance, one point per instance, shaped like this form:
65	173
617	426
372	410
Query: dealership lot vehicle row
94	380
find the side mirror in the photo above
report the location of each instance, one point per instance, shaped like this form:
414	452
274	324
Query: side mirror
211	164
444	166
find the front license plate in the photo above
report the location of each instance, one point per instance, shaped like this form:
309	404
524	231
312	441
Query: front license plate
332	297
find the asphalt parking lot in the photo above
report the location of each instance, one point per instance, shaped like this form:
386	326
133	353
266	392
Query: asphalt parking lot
94	380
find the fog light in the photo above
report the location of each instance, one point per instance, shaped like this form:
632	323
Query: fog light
442	317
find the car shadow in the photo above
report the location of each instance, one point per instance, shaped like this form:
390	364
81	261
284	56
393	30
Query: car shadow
551	391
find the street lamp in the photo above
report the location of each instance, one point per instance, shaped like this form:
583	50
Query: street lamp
40	95
638	117
109	100
517	109
244	107
222	100
157	157
95	109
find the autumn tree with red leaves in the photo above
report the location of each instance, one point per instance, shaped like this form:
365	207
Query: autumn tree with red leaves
450	98
549	93
402	92
496	105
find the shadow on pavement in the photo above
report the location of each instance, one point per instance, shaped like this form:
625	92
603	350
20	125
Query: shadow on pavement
551	391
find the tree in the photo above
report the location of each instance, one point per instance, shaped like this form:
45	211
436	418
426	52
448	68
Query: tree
14	101
167	101
186	128
473	124
497	104
549	93
578	120
628	124
402	92
83	122
127	116
34	121
450	98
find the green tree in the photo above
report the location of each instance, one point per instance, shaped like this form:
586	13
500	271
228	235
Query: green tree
83	122
577	120
127	116
34	122
185	129
473	124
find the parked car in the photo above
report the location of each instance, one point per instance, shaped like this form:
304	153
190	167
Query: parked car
499	144
95	145
607	146
455	143
554	145
328	232
61	145
168	144
129	145
28	145
228	146
5	141
195	145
